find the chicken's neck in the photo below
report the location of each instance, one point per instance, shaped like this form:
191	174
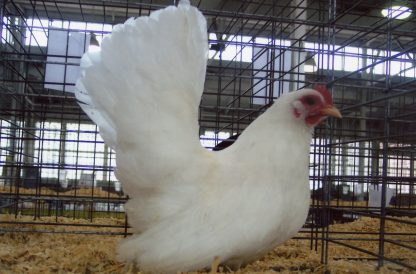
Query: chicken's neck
277	130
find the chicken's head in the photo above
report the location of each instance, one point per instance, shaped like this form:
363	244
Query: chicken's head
314	105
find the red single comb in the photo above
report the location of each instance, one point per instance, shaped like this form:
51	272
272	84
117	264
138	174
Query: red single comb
323	90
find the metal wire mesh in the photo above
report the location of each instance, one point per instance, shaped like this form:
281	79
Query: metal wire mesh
54	163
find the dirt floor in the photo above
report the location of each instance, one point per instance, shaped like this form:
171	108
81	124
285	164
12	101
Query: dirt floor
89	253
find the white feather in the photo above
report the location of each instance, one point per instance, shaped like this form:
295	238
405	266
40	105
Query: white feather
189	205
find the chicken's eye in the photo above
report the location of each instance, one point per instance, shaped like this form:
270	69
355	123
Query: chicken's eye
310	101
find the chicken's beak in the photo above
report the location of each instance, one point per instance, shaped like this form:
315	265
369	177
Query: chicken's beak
330	110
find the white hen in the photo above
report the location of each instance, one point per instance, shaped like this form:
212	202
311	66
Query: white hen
189	205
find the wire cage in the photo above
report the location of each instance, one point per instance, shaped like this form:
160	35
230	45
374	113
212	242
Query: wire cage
55	168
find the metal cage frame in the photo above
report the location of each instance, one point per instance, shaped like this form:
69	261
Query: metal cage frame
367	60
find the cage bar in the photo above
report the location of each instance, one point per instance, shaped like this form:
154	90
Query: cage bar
54	164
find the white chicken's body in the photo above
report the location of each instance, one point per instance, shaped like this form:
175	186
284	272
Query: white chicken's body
244	203
189	205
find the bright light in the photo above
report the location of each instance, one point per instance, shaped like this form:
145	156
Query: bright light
397	12
93	48
310	68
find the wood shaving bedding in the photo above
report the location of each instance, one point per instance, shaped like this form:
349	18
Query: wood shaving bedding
78	253
353	204
80	192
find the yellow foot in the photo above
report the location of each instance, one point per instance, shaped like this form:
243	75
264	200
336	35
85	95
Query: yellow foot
215	264
131	268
